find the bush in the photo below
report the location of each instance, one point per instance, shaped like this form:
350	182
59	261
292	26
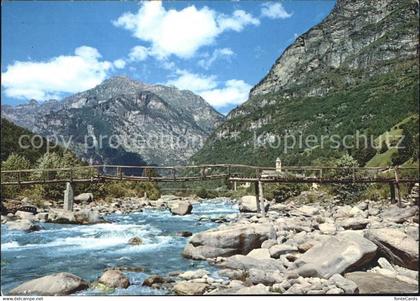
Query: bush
347	192
282	192
13	162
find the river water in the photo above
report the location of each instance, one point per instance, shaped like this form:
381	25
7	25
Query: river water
86	250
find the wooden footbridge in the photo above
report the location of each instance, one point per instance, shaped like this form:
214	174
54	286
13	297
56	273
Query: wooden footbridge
234	173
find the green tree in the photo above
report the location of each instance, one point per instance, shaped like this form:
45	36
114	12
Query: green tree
13	162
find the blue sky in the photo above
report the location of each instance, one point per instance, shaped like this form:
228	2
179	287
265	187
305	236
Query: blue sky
217	49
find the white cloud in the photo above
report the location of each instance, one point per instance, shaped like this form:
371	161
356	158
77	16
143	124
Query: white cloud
119	64
274	11
193	82
234	92
52	78
237	21
219	53
138	53
219	95
180	32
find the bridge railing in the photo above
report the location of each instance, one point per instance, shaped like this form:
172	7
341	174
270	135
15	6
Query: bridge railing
203	172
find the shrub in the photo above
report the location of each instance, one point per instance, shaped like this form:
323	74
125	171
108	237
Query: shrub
13	162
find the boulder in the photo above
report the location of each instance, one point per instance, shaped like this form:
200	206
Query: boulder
399	215
181	208
397	246
184	233
188	275
190	288
23	225
259	289
84	197
85	217
335	256
25	215
42	216
114	279
355	223
248	203
259	254
153	279
135	241
374	283
277	250
228	240
59	284
308	210
241	262
327	228
348	286
257	276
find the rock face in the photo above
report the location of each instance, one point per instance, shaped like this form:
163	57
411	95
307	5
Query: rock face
181	208
373	283
114	279
397	246
120	107
334	44
52	285
226	241
327	71
335	256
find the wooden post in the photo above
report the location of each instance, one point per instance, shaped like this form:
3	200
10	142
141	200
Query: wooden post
397	185
257	196
234	185
173	173
392	190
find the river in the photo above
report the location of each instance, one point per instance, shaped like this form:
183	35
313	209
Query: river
86	250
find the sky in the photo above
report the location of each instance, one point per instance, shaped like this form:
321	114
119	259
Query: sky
217	49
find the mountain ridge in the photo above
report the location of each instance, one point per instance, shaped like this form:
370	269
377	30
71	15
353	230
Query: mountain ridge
122	107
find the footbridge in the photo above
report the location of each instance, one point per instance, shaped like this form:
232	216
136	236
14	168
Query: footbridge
233	173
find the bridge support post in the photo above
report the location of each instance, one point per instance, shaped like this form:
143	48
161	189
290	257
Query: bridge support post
234	185
257	196
392	192
68	197
261	197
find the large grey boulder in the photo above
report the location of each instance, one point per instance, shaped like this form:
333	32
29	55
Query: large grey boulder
25	215
190	288
84	217
114	279
181	208
399	215
52	285
241	262
374	283
397	246
23	225
248	203
229	240
335	256
84	197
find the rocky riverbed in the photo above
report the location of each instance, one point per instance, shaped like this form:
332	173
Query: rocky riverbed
324	247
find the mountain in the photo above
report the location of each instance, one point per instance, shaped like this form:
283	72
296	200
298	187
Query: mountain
124	122
355	71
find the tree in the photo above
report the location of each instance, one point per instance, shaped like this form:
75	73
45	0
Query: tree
347	192
13	162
